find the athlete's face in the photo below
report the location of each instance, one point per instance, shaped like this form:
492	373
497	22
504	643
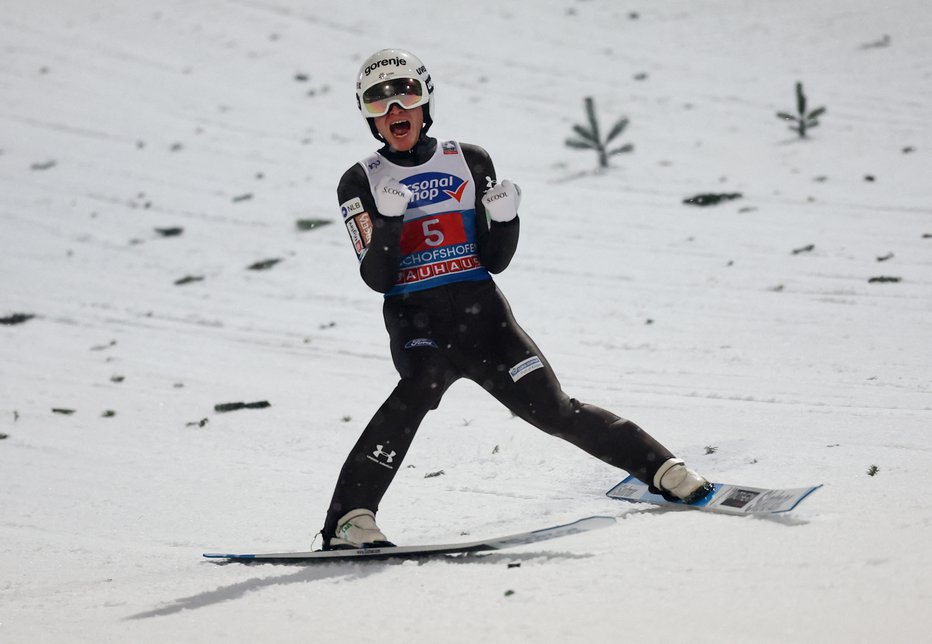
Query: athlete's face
400	127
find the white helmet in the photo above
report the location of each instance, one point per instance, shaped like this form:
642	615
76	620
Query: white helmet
393	76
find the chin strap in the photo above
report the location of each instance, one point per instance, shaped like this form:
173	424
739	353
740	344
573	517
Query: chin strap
372	128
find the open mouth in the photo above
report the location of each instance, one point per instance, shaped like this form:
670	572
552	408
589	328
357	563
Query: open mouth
400	127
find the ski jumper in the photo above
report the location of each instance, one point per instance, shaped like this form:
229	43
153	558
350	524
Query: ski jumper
446	319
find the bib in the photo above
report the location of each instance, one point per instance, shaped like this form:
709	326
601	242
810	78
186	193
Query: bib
438	240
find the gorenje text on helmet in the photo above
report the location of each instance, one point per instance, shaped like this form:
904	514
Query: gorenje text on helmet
398	62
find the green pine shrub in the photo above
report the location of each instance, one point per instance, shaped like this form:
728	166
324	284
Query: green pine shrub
804	120
588	137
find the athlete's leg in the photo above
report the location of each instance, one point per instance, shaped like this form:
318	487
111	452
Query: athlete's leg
377	455
538	399
505	361
375	459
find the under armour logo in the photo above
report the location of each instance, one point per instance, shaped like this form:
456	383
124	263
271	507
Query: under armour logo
379	453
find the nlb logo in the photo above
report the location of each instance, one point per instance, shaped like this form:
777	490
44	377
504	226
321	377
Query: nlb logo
434	187
351	208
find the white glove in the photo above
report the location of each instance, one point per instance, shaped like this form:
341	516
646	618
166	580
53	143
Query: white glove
392	197
501	202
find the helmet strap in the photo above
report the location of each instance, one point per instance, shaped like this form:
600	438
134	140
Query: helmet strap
427	120
374	130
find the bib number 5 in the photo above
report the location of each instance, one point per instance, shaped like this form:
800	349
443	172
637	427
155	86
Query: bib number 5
433	234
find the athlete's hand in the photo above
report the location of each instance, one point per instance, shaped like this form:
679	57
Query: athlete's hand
501	202
392	197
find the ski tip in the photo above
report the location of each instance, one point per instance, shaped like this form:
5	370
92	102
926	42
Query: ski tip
596	521
804	496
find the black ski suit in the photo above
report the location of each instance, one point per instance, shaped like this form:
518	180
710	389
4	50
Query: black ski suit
439	334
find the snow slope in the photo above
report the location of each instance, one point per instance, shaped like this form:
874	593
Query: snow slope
234	119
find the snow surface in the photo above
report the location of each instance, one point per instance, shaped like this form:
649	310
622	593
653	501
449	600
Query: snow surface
233	119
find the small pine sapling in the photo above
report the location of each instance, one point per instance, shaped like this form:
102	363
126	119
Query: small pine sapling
589	138
803	120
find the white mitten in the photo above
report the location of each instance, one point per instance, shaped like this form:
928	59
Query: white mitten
501	202
392	197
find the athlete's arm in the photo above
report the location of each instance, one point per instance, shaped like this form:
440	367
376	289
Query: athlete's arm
497	241
377	239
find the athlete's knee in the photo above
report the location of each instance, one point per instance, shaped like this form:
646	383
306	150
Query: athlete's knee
423	391
574	420
552	413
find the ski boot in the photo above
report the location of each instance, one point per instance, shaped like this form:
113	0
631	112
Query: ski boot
676	482
357	529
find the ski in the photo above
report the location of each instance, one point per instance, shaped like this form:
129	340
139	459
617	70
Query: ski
726	498
412	552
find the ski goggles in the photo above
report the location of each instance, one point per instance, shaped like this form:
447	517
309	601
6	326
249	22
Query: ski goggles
407	92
